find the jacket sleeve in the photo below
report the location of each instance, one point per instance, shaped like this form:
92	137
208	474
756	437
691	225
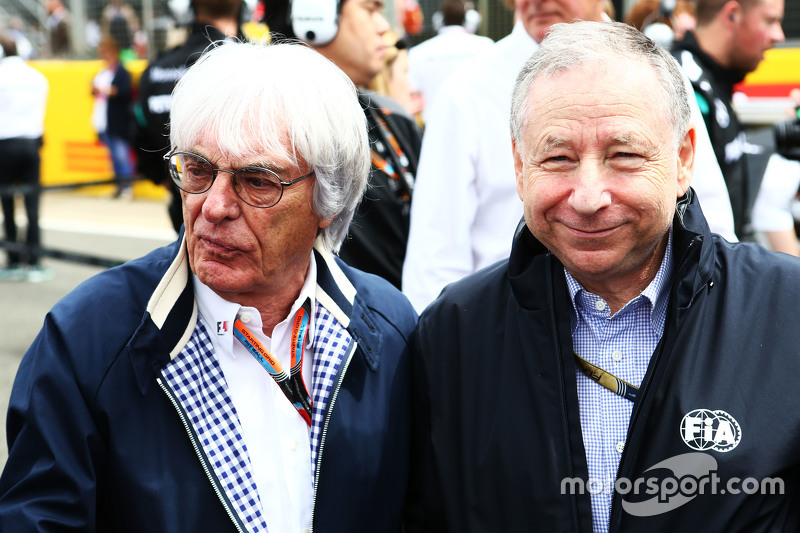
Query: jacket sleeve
55	450
424	510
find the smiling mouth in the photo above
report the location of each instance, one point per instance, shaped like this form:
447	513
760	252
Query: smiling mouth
590	233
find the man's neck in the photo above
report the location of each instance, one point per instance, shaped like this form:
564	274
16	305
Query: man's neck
229	27
714	43
617	292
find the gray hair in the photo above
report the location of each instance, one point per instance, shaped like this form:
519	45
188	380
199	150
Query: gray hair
572	45
283	99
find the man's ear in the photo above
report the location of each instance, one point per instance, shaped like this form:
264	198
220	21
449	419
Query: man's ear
518	170
686	153
731	11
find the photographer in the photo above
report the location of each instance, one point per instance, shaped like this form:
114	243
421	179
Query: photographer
772	211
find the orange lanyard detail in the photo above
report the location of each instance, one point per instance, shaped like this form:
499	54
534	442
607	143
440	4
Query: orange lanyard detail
290	383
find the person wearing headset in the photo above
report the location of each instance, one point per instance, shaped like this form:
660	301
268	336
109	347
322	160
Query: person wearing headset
350	33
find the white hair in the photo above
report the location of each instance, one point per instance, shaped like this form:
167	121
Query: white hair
283	99
610	44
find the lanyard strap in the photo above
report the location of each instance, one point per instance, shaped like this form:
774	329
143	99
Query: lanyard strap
292	383
606	379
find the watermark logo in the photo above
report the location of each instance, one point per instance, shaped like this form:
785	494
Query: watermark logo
688	472
703	429
672	483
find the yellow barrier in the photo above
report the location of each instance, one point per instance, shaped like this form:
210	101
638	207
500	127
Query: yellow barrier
71	152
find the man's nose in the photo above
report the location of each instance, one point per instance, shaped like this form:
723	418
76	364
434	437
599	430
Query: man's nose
590	193
221	199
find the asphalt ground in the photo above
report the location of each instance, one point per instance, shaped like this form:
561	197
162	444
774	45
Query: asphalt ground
81	223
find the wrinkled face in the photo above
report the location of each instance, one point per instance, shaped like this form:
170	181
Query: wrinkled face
599	172
757	29
358	48
241	252
538	15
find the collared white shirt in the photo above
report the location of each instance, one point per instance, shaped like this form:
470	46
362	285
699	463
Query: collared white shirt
276	436
465	207
621	344
432	61
23	92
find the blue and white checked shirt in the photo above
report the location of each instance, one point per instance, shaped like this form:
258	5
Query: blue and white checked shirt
196	376
621	344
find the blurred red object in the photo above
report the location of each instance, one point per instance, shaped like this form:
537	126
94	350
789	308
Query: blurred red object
413	18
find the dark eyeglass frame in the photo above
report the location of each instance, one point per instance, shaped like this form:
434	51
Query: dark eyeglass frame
237	186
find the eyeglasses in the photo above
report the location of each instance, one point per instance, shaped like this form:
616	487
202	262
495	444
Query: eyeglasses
256	186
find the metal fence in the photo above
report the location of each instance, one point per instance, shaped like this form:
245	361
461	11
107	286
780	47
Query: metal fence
159	21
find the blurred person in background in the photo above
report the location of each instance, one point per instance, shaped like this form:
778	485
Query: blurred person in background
773	210
393	80
119	20
214	20
242	378
351	34
23	101
432	60
58	29
111	114
465	200
16	30
646	13
729	42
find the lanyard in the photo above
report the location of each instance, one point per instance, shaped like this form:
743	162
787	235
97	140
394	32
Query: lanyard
606	379
292	383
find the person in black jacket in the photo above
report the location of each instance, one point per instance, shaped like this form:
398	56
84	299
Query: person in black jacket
350	33
625	370
214	20
729	42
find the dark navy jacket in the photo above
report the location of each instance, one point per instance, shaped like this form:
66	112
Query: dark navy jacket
96	446
497	425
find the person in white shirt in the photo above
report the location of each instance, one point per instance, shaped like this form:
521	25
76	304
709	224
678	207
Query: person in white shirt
465	201
432	61
23	101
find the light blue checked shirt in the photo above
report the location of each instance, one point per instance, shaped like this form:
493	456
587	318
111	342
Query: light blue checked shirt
621	344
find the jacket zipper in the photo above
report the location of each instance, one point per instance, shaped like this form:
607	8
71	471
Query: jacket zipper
643	389
564	416
324	434
203	463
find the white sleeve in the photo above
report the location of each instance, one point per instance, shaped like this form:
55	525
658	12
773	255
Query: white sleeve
445	202
772	209
707	182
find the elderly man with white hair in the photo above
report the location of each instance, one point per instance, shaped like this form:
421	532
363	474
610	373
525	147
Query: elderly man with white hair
243	378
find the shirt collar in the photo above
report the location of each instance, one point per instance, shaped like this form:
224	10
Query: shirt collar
656	292
219	314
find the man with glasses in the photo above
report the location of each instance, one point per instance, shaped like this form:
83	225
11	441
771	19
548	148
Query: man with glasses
243	378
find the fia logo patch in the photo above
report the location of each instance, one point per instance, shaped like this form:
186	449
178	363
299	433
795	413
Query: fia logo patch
704	429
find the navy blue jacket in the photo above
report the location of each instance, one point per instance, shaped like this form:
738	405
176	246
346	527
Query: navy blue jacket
96	446
497	422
